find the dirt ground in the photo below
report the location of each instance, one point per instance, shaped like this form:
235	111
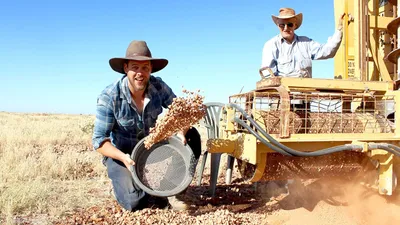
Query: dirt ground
50	175
311	202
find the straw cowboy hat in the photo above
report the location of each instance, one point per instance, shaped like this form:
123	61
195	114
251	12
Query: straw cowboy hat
288	13
138	50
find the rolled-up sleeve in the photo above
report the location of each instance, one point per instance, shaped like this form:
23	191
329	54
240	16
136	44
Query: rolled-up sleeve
327	50
268	57
104	122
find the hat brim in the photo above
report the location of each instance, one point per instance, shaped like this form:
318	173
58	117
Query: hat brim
117	64
299	19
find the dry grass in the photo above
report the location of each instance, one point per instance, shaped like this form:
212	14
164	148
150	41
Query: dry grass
47	165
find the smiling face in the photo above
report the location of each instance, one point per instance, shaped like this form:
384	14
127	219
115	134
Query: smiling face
287	27
138	73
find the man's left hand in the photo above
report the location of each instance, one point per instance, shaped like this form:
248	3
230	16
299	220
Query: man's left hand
340	23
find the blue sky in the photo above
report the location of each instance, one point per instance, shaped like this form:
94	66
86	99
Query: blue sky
54	54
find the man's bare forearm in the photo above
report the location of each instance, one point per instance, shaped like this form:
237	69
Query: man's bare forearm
108	150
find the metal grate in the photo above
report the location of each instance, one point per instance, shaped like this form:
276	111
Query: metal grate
317	113
162	169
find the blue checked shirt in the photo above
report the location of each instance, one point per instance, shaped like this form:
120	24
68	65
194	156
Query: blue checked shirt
294	60
117	118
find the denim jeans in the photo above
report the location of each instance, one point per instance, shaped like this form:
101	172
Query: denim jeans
127	193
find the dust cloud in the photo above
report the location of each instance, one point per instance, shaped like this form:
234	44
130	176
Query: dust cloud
333	201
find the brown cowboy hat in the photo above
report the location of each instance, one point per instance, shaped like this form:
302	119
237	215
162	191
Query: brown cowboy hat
138	50
288	13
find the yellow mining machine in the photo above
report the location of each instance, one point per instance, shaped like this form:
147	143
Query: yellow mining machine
289	128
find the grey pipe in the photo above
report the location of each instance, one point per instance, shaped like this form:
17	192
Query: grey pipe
283	148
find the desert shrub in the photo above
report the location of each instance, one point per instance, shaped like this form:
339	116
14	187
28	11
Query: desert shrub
87	127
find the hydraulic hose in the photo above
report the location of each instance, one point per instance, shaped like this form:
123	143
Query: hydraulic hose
394	147
263	132
258	136
283	148
386	147
299	153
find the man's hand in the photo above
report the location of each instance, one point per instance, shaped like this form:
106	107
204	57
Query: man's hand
181	136
108	150
128	162
340	23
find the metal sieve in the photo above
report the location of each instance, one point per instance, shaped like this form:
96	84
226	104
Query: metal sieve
166	169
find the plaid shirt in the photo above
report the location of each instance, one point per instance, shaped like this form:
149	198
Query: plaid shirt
117	118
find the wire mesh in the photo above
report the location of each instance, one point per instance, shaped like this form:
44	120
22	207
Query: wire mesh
319	112
162	169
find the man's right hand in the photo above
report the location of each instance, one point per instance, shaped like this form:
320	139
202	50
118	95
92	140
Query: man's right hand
108	150
128	162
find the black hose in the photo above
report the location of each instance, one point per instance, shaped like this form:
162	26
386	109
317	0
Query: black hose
299	153
394	147
388	147
284	147
263	132
258	136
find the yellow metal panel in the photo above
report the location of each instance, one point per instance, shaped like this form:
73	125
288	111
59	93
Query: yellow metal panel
230	114
302	146
241	146
221	145
378	59
260	166
352	61
340	60
335	84
357	25
379	22
249	153
339	137
346	39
